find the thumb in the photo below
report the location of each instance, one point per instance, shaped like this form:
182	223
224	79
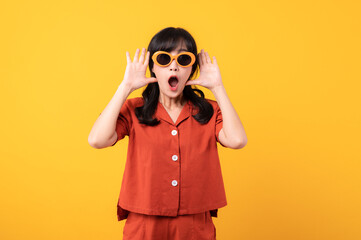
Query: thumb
193	82
152	79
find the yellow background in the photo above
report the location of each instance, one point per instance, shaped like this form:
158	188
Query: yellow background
290	68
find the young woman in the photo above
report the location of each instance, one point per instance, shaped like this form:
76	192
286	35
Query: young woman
172	183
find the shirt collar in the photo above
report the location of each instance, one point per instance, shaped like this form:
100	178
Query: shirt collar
185	113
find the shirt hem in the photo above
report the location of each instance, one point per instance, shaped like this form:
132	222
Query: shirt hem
123	210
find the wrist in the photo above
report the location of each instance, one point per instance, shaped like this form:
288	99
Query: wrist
124	88
217	89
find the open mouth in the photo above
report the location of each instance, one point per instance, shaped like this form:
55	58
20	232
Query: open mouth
173	82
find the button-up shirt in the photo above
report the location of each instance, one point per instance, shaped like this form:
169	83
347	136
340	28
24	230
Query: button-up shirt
171	168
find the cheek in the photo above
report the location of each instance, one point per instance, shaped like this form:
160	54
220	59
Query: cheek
187	73
157	71
161	76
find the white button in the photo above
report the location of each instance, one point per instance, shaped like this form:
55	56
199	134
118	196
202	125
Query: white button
174	132
174	157
174	182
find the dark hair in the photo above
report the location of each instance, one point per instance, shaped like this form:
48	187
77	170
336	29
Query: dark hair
167	40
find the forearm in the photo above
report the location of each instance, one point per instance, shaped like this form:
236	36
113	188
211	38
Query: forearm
105	125
232	125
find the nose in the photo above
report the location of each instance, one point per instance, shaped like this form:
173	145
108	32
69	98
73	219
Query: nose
174	66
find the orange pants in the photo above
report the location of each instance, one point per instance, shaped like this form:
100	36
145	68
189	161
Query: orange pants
183	227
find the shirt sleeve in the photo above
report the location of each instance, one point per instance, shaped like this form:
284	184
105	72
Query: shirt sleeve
219	122
124	122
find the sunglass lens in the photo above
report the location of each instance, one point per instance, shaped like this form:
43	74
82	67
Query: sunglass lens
184	59
163	59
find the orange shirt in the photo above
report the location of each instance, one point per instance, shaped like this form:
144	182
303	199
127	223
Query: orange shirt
172	168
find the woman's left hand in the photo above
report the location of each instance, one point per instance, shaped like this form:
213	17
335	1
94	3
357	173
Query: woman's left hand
209	76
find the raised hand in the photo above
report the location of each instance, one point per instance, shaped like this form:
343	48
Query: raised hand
209	76
134	76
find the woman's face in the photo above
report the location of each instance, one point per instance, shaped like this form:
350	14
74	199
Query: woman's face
172	87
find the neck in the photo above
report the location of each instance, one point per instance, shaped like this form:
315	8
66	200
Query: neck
171	103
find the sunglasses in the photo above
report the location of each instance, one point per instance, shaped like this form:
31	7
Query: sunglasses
183	59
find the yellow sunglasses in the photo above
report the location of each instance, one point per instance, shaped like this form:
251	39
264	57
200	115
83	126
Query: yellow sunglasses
164	59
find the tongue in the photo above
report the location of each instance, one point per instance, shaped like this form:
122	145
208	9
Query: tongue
173	82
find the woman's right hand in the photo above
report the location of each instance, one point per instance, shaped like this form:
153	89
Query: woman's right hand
134	76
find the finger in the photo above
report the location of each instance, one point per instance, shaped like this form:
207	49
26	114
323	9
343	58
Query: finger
129	60
200	59
203	57
141	59
146	58
136	56
208	58
214	60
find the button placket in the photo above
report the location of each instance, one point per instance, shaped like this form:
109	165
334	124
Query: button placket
174	157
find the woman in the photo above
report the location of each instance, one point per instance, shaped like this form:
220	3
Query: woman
172	183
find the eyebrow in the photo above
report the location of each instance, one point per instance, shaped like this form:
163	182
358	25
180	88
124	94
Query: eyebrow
182	50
